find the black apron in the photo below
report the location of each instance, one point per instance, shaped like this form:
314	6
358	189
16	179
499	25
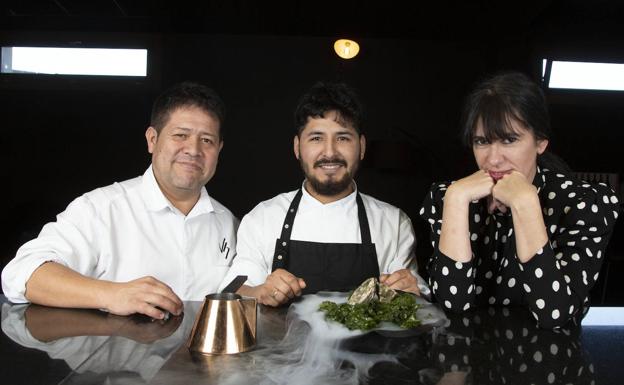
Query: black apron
326	266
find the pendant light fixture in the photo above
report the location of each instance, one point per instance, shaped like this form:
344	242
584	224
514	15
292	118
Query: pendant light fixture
346	49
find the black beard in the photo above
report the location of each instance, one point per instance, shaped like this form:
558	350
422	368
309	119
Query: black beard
331	187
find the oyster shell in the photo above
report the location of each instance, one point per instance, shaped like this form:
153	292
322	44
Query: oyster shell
386	294
366	292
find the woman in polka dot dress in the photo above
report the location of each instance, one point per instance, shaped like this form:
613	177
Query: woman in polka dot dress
520	230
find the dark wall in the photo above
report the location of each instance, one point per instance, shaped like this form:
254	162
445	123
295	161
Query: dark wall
63	137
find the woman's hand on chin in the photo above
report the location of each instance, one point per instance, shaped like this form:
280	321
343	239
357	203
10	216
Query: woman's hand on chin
514	190
471	188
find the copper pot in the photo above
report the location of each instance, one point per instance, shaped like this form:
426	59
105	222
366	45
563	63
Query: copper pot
226	324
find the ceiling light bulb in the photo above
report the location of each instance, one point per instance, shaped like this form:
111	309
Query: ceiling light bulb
346	49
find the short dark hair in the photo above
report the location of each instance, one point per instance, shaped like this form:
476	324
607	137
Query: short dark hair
187	94
324	97
501	98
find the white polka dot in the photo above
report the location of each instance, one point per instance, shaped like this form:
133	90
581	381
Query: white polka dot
447	304
469	273
567	279
435	285
479	290
615	214
492	300
477	218
594	208
539	273
459	265
581	205
474	237
537	356
580	223
571	309
555	314
540	303
584	274
597	239
593	228
431	220
467	306
506	301
571	243
605	199
432	209
573	232
499	279
566	209
551	195
554	349
596	276
422	211
599	254
486	240
504	238
527	288
589	252
553	228
551	378
470	288
522	368
453	289
509	334
614	199
512	282
564	263
571	195
564	186
555	285
441	357
550	211
558	255
575	257
488	275
445	270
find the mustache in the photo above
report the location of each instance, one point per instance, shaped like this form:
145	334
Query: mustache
321	162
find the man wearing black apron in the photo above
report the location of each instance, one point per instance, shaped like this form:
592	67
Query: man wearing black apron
329	147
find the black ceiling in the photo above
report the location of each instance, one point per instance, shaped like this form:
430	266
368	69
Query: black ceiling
358	18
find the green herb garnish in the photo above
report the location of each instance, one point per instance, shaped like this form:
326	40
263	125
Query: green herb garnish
365	316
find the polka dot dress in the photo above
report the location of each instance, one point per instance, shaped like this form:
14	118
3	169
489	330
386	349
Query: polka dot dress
555	283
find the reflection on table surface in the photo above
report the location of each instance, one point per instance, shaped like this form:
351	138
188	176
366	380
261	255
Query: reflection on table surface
489	346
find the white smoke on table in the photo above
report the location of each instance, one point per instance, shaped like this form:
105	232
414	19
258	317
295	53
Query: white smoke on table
310	352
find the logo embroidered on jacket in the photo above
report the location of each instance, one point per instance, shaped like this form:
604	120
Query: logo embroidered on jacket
224	248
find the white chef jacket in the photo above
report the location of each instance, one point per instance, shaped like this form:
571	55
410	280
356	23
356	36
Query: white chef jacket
130	230
336	222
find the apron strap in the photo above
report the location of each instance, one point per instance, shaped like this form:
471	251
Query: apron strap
280	257
364	228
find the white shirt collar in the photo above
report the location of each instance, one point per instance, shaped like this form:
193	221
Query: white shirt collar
155	200
310	202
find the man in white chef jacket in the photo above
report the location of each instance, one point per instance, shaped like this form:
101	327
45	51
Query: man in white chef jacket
145	244
325	235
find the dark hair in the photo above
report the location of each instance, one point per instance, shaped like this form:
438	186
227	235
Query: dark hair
504	97
187	94
324	97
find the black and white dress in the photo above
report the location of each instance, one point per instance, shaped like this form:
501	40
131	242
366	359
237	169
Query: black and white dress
555	283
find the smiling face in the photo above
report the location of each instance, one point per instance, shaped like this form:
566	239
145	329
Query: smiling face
185	152
517	151
329	155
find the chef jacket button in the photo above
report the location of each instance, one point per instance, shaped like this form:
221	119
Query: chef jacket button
283	243
286	225
279	257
